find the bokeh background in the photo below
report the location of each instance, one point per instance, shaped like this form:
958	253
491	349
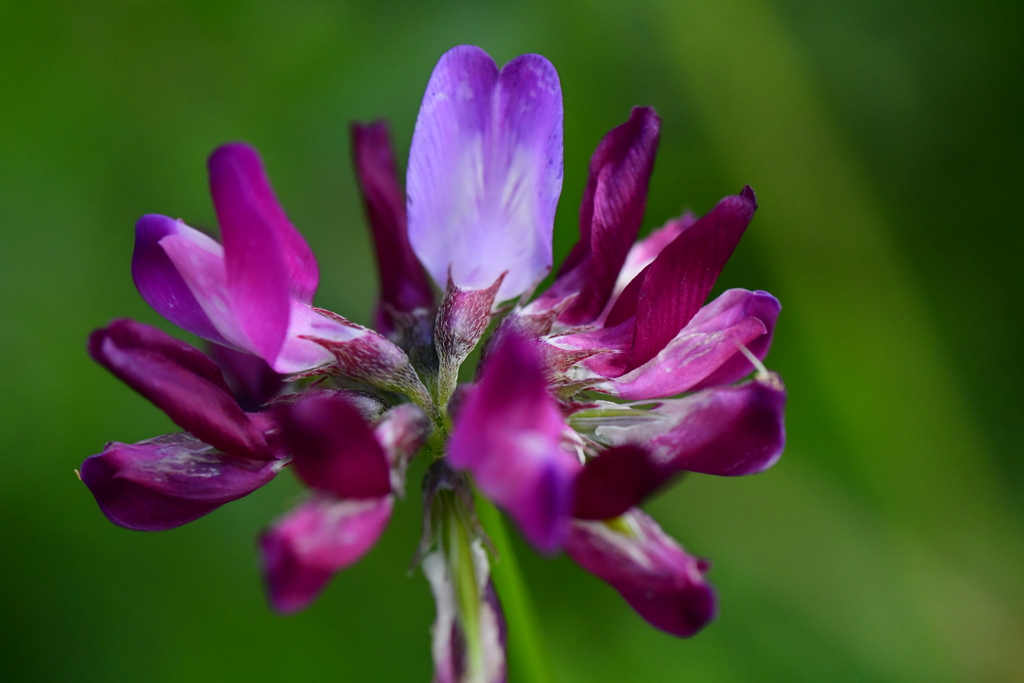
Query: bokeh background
884	142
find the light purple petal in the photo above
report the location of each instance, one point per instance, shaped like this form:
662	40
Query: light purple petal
169	373
242	192
610	215
303	550
299	352
333	449
508	435
676	284
726	431
664	584
403	283
756	304
485	171
168	481
159	282
255	256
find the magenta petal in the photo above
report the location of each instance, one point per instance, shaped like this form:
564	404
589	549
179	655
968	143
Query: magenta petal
743	304
664	584
508	435
485	171
251	380
168	481
610	215
303	550
726	431
333	449
159	282
241	188
171	374
676	284
257	258
403	284
616	480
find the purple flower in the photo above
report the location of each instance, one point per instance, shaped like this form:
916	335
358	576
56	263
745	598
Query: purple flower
535	433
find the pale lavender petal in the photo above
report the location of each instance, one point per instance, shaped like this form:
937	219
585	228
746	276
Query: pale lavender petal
610	215
159	282
256	266
333	449
304	549
164	370
664	584
242	193
168	481
508	435
403	283
485	171
726	431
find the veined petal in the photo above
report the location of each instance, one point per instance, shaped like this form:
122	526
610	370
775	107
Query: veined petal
708	343
403	284
170	373
508	435
610	215
242	194
256	266
168	481
678	281
664	584
727	431
304	549
157	278
485	171
333	449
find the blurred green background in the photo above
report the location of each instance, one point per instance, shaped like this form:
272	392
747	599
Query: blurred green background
884	142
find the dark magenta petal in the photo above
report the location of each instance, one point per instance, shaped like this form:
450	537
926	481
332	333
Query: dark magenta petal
258	259
664	584
676	284
168	481
403	282
610	215
727	431
333	449
159	282
508	435
303	550
485	171
251	380
616	480
180	381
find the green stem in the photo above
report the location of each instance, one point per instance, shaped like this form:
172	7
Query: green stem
524	637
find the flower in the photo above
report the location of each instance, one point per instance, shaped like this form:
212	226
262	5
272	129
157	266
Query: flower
600	391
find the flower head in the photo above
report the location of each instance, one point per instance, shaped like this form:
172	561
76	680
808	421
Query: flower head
600	391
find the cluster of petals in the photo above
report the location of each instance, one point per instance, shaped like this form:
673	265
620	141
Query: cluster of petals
590	397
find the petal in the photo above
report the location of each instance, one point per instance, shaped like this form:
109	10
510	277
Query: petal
708	343
657	578
676	284
403	284
251	380
757	304
242	193
333	449
402	431
303	550
610	215
300	352
727	431
168	481
508	435
256	258
616	480
150	362
159	282
485	171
